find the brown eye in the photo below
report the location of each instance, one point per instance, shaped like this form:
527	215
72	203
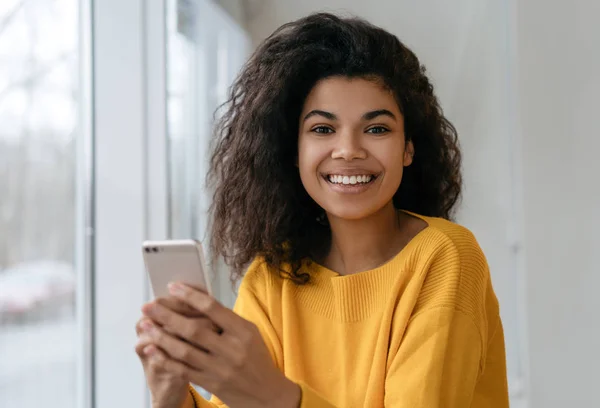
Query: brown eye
322	130
377	130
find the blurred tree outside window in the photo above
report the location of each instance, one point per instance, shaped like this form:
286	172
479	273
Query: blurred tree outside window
39	111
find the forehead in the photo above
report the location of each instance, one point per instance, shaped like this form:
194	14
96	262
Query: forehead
343	95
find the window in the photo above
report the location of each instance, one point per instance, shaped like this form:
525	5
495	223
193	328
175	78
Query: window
205	51
41	221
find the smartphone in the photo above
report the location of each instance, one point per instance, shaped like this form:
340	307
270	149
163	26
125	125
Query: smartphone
175	261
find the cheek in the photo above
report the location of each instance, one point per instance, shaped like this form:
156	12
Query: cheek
395	167
394	181
392	160
309	176
310	156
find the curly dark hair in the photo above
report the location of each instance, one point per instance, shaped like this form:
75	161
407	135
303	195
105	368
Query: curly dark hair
260	207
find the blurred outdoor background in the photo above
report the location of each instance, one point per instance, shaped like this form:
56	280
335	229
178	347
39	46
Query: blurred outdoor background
106	109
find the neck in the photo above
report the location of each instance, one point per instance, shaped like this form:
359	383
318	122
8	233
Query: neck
360	245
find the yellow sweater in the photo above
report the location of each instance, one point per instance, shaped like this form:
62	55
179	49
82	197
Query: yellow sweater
421	331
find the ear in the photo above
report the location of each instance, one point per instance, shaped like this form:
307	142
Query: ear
409	153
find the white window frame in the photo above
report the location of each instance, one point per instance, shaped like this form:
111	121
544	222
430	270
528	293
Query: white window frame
121	114
84	238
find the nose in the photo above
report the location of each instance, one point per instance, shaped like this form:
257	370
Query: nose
348	147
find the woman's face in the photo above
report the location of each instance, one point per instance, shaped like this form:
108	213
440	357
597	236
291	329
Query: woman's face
351	147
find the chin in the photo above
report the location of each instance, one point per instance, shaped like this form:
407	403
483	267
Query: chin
357	210
351	213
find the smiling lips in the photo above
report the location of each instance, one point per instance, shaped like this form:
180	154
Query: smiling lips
352	182
345	180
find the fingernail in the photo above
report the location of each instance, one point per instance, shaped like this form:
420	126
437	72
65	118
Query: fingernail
152	354
149	308
176	289
147	326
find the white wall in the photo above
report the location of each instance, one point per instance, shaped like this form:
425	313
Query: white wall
465	46
235	9
559	84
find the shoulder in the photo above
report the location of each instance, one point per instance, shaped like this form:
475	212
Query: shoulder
460	236
456	272
256	276
260	278
455	246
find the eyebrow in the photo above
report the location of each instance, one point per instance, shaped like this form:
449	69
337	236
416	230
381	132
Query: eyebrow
367	116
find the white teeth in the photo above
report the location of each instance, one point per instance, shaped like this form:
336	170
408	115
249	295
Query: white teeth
346	180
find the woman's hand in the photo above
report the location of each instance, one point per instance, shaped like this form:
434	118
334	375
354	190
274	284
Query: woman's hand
233	363
167	389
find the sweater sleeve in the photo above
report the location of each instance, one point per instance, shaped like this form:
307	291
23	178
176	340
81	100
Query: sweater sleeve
250	304
441	353
310	399
438	362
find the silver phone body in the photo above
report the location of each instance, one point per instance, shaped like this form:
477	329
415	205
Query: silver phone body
175	261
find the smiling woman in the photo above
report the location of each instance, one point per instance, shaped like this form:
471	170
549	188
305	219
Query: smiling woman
335	184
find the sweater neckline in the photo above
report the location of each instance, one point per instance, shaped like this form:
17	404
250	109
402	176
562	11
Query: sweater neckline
323	271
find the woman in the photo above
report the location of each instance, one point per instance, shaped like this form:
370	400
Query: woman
335	176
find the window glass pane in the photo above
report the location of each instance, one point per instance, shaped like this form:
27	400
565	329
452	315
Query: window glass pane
205	50
182	109
39	111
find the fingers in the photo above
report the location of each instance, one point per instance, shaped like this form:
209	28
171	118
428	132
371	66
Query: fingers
175	348
141	327
206	304
139	347
142	324
171	321
200	332
159	360
178	306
